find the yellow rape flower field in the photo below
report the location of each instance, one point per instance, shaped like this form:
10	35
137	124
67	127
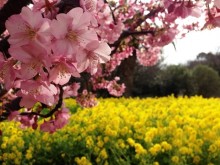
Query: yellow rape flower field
151	131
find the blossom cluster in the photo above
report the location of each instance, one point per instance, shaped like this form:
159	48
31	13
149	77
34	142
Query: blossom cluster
47	48
150	131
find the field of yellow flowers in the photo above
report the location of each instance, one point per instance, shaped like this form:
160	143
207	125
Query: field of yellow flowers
151	131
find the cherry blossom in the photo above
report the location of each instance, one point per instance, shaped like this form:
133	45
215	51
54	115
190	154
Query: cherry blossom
28	27
47	7
61	118
33	92
94	54
2	3
71	31
7	72
114	88
48	126
86	99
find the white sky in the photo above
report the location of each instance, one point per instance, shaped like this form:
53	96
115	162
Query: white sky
190	46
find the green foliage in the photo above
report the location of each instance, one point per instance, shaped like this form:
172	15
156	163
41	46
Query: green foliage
176	79
206	81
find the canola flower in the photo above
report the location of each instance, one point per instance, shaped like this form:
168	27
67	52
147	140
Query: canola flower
151	131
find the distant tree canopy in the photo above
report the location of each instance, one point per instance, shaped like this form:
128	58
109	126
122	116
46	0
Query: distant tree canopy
177	80
198	77
206	81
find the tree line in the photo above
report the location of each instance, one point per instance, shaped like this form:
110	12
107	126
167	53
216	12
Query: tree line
198	77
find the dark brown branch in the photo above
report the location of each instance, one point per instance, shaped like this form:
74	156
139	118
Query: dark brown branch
112	12
125	34
131	32
52	111
149	15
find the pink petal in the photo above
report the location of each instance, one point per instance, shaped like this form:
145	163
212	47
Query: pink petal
27	71
27	102
76	14
103	51
84	21
92	45
19	39
87	36
34	19
59	27
217	3
15	24
19	54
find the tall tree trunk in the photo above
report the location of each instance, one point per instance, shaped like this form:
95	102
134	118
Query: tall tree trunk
126	73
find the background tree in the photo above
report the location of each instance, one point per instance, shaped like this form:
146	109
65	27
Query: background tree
147	80
176	79
206	81
210	59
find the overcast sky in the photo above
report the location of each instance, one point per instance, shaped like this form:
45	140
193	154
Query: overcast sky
193	44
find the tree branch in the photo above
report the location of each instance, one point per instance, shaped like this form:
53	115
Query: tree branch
149	15
125	34
52	111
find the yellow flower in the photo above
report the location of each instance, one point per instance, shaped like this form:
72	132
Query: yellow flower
139	149
103	154
131	141
155	149
28	155
17	162
175	159
196	159
184	150
89	142
156	163
82	161
166	146
4	146
100	143
212	148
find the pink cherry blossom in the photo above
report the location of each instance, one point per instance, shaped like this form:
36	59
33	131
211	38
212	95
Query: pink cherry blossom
166	37
149	57
26	121
7	72
32	62
47	7
71	90
116	89
3	2
27	27
48	126
217	3
86	99
33	92
71	31
94	54
182	11
212	21
89	5
13	116
61	118
62	71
